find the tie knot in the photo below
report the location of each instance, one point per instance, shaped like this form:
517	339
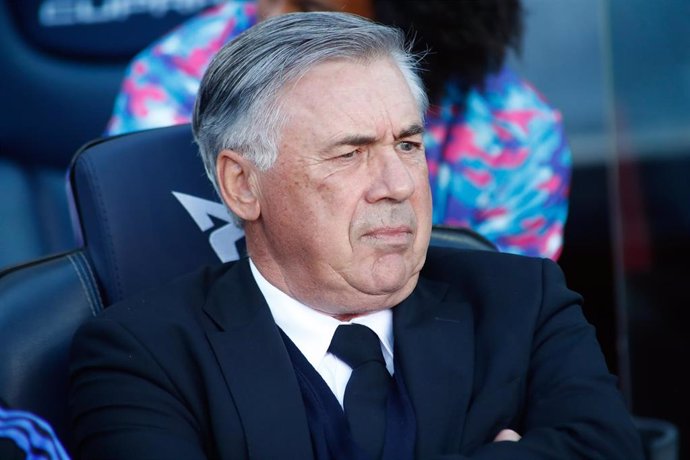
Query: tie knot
356	344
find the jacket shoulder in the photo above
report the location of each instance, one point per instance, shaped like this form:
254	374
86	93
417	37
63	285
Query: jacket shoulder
178	297
450	264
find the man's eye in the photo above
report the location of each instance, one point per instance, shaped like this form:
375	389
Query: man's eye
348	155
407	146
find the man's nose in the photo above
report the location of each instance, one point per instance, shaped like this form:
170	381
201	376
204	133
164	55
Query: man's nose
391	177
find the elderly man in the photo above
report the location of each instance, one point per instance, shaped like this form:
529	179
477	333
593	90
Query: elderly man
343	336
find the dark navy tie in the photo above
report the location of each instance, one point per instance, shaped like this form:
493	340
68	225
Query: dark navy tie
367	390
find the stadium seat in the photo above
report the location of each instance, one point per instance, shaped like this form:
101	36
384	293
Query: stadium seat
147	211
62	63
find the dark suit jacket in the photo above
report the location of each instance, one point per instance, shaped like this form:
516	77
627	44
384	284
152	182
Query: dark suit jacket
486	341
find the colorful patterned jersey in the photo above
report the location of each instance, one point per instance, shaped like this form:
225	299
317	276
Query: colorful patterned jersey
500	166
498	159
161	82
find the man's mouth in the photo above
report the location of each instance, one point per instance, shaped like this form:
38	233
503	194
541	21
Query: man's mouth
398	235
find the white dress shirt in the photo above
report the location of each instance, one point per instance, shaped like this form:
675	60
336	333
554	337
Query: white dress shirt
311	331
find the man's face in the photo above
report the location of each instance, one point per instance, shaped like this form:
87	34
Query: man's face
269	8
346	209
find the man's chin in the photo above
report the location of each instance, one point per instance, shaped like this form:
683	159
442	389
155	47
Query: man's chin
394	283
372	299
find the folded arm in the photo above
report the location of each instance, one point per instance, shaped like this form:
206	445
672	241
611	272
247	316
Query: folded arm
573	408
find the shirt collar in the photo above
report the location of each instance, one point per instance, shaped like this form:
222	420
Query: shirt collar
310	330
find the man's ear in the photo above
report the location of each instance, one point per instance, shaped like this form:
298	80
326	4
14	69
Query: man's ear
238	185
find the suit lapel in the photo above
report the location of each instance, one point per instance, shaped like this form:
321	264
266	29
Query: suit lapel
434	349
257	368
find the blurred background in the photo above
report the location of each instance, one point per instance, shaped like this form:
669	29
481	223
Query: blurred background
618	70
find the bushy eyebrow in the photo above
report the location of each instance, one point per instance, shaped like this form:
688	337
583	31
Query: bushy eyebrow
358	139
412	130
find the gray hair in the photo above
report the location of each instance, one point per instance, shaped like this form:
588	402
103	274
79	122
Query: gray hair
238	104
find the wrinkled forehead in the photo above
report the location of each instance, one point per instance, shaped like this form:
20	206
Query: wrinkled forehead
269	8
344	98
319	82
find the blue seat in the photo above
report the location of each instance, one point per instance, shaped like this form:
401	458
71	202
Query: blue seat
62	64
147	212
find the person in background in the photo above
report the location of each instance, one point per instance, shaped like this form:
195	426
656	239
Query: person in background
498	160
161	83
497	155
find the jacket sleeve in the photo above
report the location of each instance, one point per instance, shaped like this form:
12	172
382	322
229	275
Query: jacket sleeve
122	403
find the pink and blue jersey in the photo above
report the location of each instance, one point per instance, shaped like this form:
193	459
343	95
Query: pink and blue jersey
498	160
501	166
162	81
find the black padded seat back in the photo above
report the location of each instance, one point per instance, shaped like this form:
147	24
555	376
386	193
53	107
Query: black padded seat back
444	236
42	303
147	211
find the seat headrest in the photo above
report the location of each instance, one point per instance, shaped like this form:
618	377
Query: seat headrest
105	30
446	236
147	212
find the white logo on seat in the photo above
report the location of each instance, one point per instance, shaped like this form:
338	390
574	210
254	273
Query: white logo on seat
53	13
222	239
